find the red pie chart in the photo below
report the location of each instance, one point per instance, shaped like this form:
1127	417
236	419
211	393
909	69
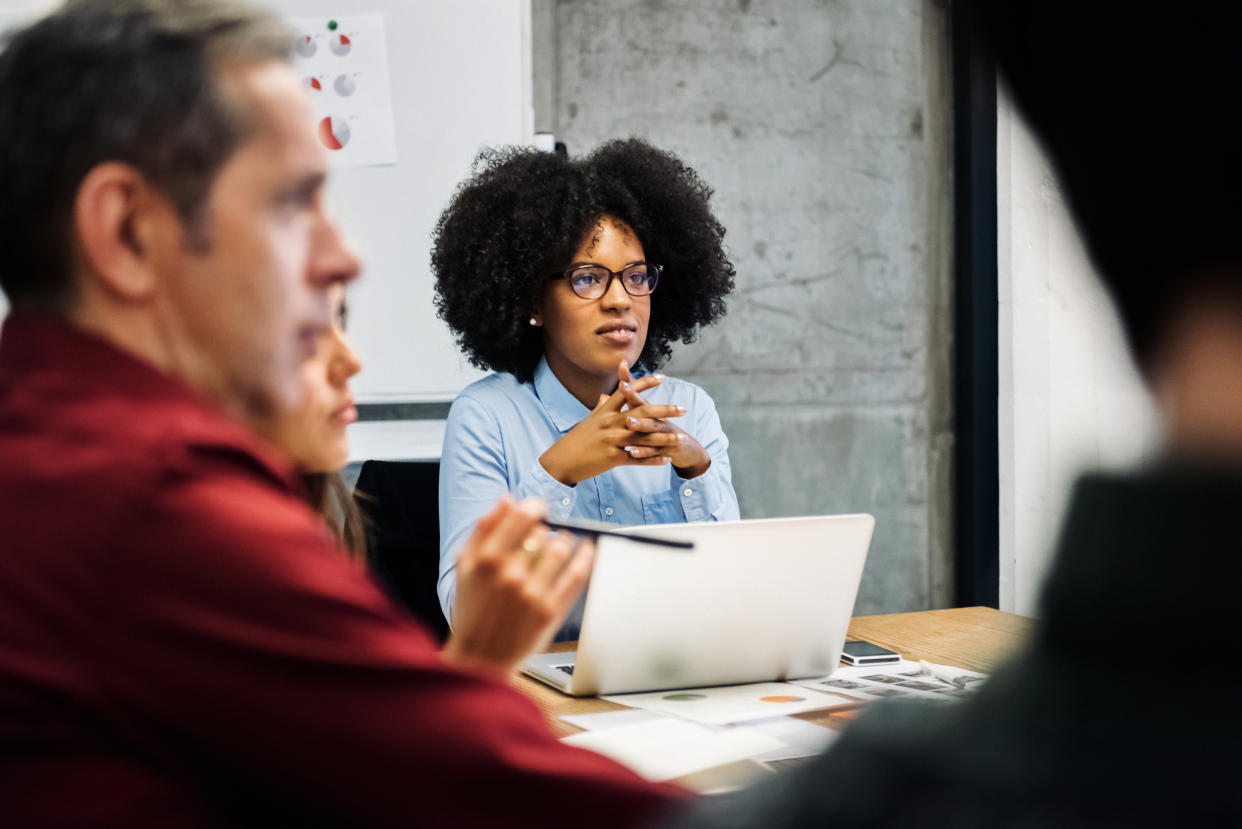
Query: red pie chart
313	83
334	133
339	44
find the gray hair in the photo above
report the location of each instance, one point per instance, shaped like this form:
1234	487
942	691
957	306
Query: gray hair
135	81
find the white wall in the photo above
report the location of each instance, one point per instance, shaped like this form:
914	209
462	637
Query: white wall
13	13
1069	397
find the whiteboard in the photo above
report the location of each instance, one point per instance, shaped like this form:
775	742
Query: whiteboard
461	80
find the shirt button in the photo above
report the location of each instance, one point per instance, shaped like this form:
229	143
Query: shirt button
564	502
687	491
608	511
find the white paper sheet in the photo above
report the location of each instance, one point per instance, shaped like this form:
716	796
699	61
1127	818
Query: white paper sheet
611	719
343	61
734	703
798	738
903	679
667	748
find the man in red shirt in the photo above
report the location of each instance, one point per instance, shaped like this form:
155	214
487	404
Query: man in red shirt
179	641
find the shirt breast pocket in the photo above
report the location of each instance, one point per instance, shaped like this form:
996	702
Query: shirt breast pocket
663	508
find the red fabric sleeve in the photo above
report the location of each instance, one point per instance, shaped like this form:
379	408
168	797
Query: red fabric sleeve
239	644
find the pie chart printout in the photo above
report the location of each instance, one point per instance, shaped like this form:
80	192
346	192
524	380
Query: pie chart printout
334	133
344	68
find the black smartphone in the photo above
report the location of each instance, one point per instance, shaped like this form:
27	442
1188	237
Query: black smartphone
866	653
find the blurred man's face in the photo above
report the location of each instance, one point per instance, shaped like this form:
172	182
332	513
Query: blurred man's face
252	304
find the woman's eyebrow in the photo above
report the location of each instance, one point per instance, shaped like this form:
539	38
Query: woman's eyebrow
598	265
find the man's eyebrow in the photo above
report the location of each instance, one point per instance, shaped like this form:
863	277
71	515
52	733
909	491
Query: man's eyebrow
304	187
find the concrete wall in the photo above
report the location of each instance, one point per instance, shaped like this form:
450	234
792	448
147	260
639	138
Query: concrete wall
824	127
1070	398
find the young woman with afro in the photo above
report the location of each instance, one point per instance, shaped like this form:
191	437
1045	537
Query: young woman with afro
570	279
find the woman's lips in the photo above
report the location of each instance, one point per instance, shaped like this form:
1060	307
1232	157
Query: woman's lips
618	333
619	336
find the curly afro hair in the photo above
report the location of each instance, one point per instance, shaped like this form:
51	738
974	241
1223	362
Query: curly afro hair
523	214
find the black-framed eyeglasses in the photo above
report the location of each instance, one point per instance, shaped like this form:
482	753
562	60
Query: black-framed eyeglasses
593	281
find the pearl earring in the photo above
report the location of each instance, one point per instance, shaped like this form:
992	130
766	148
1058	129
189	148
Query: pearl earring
534	321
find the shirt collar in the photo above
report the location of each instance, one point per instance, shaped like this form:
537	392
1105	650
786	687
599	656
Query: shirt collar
565	410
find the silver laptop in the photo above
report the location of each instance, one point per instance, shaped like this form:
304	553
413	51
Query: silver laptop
754	601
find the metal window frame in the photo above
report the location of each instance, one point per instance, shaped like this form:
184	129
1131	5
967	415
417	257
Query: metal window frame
975	364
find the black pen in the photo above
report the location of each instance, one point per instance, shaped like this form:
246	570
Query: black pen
595	531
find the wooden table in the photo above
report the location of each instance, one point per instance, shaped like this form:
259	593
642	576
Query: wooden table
976	638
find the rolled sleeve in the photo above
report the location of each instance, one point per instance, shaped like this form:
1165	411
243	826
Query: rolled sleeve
707	497
559	497
474	474
472	480
710	496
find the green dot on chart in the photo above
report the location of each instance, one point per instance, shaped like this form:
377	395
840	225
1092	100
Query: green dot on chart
332	25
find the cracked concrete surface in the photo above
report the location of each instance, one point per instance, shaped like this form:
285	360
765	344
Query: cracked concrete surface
823	127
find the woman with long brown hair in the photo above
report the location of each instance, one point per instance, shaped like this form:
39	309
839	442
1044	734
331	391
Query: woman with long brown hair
313	435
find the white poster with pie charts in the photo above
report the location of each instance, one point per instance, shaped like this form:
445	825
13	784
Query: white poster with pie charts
343	62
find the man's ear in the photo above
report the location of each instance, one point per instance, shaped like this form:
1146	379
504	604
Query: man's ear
116	216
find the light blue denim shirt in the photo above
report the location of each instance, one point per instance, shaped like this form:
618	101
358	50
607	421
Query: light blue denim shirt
497	429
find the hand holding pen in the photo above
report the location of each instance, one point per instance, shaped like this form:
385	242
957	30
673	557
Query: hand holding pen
515	584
